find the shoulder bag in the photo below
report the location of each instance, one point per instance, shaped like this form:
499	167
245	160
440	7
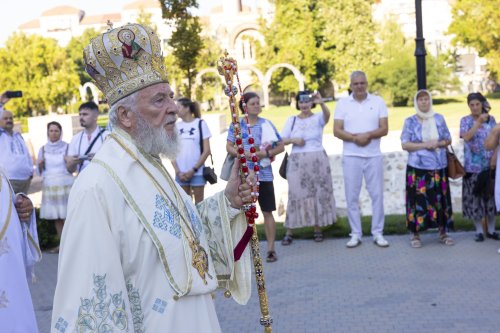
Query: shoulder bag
455	168
284	163
208	172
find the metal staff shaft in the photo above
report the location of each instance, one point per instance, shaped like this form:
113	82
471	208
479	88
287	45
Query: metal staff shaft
227	67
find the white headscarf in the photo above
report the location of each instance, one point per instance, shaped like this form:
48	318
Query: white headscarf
429	127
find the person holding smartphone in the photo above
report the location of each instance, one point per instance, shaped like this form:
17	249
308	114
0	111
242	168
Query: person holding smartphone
14	154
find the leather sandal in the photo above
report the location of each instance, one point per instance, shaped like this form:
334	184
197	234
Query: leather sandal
416	242
318	236
446	240
271	256
287	240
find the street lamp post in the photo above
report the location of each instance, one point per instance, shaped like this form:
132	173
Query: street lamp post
420	52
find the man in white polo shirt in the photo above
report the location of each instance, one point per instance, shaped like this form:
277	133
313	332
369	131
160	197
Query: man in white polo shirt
360	121
14	154
85	144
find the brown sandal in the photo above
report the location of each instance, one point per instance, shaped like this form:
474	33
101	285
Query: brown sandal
271	256
446	240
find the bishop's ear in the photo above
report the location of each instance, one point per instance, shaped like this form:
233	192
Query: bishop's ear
125	117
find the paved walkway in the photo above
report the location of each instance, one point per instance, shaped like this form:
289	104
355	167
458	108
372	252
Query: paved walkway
325	287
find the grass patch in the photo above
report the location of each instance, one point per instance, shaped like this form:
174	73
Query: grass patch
394	225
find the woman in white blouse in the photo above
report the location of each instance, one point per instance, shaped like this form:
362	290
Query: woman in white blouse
57	181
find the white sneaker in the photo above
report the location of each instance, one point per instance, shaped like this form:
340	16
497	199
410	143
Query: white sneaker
353	242
379	240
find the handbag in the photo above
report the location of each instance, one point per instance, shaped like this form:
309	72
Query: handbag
208	172
284	163
227	166
455	168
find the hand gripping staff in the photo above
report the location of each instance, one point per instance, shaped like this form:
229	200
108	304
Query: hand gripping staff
228	68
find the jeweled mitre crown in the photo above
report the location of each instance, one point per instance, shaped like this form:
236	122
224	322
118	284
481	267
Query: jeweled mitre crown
124	60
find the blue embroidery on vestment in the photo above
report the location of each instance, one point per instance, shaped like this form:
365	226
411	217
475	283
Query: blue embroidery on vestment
195	221
61	325
164	218
102	313
159	305
136	308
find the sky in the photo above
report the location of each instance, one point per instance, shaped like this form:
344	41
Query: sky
18	12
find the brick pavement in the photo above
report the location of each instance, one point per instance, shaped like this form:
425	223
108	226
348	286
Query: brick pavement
326	287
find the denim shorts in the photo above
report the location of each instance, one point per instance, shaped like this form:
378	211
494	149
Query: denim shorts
196	180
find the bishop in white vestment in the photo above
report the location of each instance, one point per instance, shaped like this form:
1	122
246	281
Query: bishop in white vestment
19	252
136	254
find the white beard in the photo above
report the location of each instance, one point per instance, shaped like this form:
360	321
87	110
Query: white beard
155	140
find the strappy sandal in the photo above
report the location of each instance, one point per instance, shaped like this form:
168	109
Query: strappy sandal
415	242
271	256
287	240
318	236
446	240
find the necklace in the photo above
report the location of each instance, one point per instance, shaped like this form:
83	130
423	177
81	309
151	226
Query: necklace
199	259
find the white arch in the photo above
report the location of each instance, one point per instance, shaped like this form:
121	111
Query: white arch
197	80
93	88
267	79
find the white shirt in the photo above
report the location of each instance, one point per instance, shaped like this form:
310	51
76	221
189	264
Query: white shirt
190	138
14	156
80	142
310	129
361	117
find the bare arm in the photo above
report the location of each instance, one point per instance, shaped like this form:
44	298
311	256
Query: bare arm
491	141
71	163
467	136
339	132
326	112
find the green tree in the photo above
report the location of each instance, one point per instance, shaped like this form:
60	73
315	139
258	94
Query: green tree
211	83
145	18
394	76
476	23
291	38
347	34
41	69
74	51
185	41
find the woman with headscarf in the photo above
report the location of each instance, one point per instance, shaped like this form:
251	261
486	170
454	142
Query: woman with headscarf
57	181
479	165
425	137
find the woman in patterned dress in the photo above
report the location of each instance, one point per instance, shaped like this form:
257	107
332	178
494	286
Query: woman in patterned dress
310	191
474	129
425	137
57	181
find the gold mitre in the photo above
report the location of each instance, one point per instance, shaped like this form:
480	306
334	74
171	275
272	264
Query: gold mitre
124	60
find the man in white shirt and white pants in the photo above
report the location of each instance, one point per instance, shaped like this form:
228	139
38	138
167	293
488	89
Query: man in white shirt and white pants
14	154
360	121
79	155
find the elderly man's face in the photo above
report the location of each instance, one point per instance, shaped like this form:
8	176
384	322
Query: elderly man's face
7	122
157	107
359	85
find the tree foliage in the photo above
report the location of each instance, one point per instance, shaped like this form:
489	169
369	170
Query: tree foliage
476	23
41	69
186	42
74	51
394	76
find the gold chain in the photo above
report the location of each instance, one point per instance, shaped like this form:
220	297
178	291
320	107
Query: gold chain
200	257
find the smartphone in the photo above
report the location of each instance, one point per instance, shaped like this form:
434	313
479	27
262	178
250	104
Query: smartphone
14	94
83	157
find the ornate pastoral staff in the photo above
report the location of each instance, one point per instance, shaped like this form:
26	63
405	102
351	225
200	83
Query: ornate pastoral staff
228	68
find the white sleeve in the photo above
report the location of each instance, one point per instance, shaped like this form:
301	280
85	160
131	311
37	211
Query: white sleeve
287	129
383	112
73	146
205	130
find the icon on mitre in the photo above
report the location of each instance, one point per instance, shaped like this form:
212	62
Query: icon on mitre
130	49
